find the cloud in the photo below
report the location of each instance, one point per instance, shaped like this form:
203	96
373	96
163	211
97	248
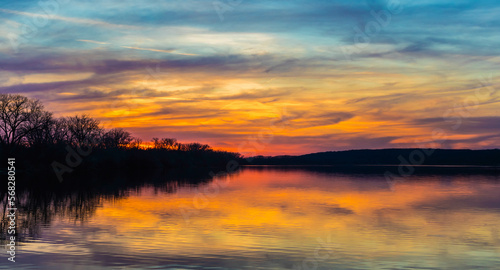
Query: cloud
466	125
191	74
68	19
157	50
335	209
91	41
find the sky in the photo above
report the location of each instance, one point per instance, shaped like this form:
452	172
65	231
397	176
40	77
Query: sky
264	77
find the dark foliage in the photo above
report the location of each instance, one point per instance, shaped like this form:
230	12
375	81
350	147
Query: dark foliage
47	146
412	157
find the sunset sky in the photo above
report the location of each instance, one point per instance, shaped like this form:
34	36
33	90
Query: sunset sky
264	77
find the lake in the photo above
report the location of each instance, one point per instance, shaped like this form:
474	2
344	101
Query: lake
268	218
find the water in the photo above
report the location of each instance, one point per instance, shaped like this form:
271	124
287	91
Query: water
269	218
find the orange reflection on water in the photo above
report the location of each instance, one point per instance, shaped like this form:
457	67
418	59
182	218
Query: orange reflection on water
280	217
261	210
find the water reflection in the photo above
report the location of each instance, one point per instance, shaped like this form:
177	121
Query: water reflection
269	218
76	200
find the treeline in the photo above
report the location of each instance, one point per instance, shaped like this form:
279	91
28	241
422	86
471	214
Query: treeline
400	157
40	140
24	122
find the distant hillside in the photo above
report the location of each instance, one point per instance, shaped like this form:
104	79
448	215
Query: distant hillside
388	157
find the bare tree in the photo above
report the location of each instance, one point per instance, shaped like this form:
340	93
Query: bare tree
193	147
116	137
40	129
20	116
165	143
51	131
83	129
60	131
136	143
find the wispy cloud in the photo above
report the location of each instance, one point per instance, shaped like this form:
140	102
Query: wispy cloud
69	19
174	65
92	41
157	50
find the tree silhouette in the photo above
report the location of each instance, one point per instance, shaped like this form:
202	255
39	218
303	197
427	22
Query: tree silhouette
41	141
116	138
83	129
20	117
165	143
194	147
42	129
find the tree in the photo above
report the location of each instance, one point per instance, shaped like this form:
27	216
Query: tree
164	143
40	129
20	116
116	137
136	143
194	147
83	129
53	131
59	131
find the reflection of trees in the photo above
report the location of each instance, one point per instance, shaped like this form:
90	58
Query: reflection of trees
380	170
40	206
36	209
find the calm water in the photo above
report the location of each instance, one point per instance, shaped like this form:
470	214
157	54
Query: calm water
270	218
